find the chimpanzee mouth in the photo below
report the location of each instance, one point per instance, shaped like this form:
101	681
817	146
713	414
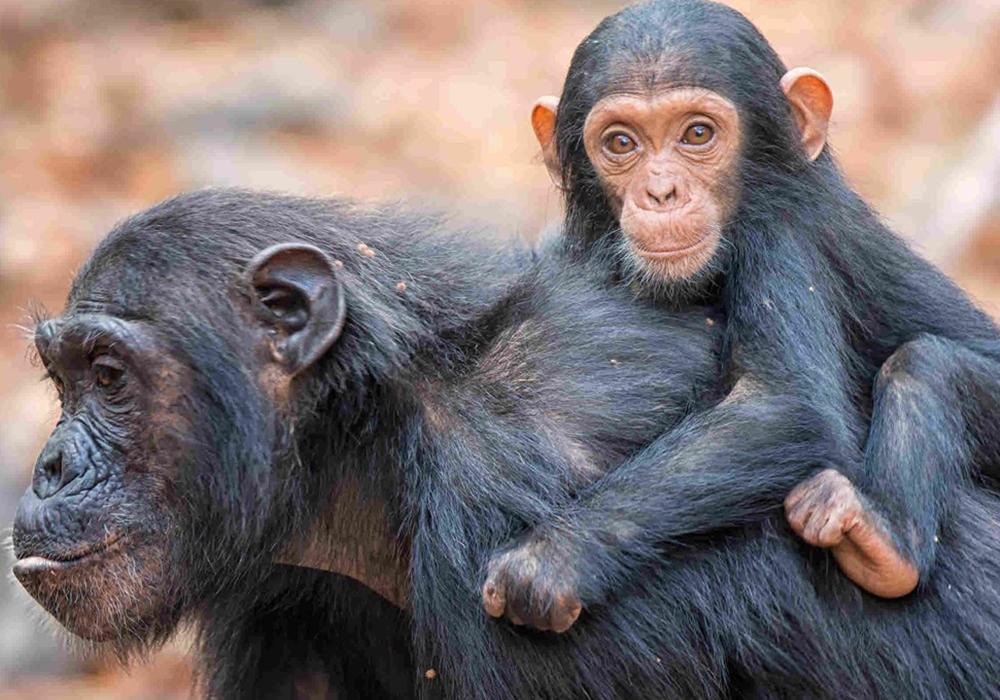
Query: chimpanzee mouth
673	253
35	564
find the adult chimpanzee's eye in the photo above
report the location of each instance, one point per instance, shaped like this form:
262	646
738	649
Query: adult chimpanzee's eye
620	144
107	371
698	135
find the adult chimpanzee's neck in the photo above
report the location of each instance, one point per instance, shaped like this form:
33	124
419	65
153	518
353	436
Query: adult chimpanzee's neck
372	442
356	534
417	295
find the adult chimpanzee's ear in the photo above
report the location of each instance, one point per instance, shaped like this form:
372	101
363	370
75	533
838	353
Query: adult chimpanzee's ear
543	121
299	300
812	104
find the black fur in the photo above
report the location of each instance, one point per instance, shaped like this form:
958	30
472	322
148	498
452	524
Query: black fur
816	292
481	402
308	634
494	385
476	405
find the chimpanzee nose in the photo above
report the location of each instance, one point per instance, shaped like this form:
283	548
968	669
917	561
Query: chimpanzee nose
50	476
660	189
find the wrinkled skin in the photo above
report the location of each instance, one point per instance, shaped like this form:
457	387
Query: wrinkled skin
89	533
151	454
667	164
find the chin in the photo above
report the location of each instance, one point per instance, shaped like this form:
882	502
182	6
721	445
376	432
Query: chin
112	593
675	277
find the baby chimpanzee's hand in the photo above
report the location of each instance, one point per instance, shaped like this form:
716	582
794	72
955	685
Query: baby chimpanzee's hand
534	582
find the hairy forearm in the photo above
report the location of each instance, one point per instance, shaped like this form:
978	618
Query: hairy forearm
724	468
720	469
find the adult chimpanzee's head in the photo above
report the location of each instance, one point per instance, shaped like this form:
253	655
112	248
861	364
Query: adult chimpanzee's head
180	363
667	110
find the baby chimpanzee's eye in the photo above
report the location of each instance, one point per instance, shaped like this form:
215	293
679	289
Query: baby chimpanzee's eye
619	143
698	135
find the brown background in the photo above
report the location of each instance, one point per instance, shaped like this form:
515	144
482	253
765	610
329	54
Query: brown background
107	106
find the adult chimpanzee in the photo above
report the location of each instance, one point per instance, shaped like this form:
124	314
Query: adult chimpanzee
187	455
696	167
249	377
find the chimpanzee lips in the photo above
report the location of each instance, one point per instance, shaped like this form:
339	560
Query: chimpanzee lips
29	566
673	253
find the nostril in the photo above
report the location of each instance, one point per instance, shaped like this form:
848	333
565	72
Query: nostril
48	475
660	195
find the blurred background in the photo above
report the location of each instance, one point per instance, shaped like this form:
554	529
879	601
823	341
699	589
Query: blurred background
107	106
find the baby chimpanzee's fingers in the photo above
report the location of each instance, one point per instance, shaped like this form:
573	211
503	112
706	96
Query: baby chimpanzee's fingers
799	514
519	604
819	520
796	495
832	533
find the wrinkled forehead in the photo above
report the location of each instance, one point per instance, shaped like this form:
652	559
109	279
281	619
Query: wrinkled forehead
662	104
95	300
89	332
119	283
137	280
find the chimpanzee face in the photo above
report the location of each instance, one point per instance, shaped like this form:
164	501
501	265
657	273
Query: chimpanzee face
668	156
92	533
157	486
667	160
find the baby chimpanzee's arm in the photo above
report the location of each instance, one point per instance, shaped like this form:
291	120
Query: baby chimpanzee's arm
935	409
723	468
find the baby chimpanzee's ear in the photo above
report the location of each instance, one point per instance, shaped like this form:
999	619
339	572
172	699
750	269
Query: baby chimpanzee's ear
543	122
812	104
299	300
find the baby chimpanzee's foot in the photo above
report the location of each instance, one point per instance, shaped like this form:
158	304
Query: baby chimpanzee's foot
827	511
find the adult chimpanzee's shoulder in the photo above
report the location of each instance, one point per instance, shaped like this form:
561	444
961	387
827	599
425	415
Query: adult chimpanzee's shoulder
567	345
